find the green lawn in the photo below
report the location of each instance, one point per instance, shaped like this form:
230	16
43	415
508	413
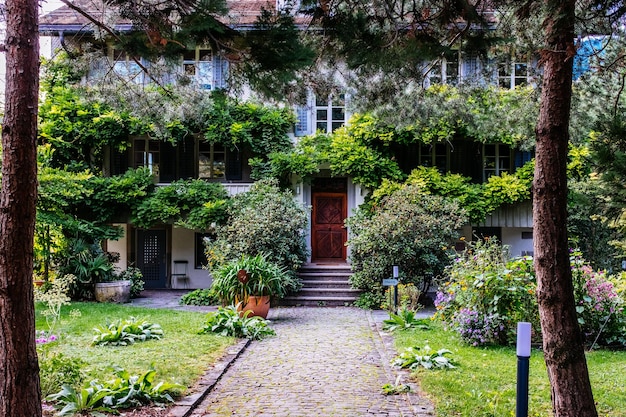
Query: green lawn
181	356
484	383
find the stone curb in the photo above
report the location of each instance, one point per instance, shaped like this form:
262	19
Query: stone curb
419	404
185	406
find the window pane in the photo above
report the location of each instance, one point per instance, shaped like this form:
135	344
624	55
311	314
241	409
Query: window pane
323	126
322	114
336	125
339	113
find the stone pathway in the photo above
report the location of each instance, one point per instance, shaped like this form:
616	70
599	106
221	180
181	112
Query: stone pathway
326	362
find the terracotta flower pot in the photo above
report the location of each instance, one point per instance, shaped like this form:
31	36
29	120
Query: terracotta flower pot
258	305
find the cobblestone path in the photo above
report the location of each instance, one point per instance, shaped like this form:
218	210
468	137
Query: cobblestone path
325	362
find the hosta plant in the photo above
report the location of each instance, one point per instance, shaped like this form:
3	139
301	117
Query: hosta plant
405	319
228	321
124	391
415	357
126	332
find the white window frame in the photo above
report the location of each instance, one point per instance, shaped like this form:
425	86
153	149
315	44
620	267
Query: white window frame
329	107
198	68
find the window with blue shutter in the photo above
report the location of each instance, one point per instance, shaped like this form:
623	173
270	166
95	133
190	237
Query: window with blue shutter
302	124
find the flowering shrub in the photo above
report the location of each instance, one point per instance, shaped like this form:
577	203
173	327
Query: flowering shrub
599	307
487	293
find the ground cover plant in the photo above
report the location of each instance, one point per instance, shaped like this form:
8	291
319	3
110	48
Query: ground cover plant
483	383
181	357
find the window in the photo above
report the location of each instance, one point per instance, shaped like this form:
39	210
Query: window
146	153
198	68
496	160
211	161
512	74
126	67
434	155
443	71
330	114
200	256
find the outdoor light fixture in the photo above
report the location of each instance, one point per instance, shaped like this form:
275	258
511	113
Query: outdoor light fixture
523	362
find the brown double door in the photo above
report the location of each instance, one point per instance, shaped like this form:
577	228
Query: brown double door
328	234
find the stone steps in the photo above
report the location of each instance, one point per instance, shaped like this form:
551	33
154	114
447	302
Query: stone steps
324	285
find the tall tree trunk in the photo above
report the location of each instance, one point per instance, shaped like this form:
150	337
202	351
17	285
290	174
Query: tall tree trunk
19	370
562	339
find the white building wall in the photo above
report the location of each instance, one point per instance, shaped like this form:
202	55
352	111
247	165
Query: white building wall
120	246
183	249
519	240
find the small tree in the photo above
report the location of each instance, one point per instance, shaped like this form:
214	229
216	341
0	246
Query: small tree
411	229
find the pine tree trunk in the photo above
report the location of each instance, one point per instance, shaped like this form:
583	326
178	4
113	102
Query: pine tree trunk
562	339
19	370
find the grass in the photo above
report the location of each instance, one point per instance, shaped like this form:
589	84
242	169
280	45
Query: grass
181	356
484	384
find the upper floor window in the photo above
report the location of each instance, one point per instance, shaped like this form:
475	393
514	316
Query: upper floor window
496	160
126	67
147	153
198	67
513	73
435	155
211	161
330	114
443	71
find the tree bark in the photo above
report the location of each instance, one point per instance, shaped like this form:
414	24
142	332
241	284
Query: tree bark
19	370
562	339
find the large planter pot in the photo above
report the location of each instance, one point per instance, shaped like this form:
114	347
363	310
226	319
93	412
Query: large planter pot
258	306
112	292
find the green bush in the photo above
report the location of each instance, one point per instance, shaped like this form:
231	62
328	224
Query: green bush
410	229
135	277
264	220
227	321
199	297
56	370
486	293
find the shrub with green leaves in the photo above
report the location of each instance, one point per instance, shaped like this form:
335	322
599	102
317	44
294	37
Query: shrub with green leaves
124	391
135	277
265	220
199	297
126	332
599	306
56	370
410	229
228	321
415	357
485	293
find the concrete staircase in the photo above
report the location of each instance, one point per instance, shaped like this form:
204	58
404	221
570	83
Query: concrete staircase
323	285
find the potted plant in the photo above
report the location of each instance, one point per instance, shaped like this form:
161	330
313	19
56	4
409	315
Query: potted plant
250	282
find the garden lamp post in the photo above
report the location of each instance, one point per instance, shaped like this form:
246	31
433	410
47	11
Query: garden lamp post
523	364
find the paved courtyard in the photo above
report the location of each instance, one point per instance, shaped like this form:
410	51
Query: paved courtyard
327	362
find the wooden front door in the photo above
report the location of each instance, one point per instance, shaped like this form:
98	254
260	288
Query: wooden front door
328	234
152	257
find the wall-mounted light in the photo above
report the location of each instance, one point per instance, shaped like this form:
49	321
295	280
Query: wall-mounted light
297	190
